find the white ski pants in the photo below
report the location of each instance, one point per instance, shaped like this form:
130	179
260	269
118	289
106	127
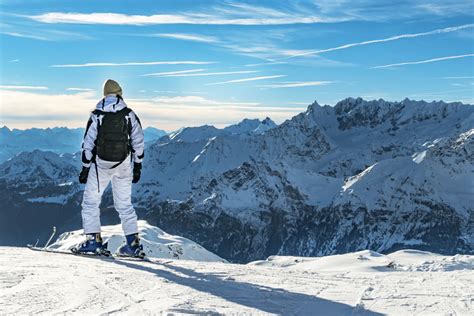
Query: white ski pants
121	178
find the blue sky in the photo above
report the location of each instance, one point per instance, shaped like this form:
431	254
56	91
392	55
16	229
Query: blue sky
187	63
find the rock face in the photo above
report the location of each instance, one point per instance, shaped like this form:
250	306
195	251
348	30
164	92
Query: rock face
360	175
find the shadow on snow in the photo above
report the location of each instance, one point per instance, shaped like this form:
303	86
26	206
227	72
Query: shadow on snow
262	298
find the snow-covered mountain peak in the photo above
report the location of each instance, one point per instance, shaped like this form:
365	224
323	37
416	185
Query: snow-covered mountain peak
38	167
244	126
156	243
264	126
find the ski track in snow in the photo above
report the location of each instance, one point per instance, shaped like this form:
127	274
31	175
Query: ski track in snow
35	282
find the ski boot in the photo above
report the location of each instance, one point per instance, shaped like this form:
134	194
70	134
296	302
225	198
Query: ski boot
132	248
92	245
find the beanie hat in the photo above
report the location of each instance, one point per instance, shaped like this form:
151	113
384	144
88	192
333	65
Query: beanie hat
112	87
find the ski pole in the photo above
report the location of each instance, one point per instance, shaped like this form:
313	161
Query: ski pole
52	235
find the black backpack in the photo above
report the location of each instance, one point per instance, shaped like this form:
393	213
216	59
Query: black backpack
113	141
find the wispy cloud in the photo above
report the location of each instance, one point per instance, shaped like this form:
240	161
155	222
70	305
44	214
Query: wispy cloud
383	10
246	79
41	34
266	64
14	60
23	88
179	92
296	84
78	89
423	61
187	37
24	35
151	63
459	77
198	100
170	73
199	74
388	39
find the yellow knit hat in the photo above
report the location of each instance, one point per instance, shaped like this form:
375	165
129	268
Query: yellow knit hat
112	87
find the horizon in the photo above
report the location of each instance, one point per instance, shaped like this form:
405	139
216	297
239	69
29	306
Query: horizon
217	62
237	122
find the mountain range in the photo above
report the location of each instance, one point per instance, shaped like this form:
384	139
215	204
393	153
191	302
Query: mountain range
58	139
361	174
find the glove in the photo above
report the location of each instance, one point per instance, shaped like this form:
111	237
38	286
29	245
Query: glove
137	171
83	175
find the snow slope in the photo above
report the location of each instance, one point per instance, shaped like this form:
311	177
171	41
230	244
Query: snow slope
35	282
156	243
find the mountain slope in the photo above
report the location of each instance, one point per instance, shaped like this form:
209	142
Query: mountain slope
362	174
363	283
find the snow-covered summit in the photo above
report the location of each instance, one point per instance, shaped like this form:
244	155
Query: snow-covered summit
246	127
156	243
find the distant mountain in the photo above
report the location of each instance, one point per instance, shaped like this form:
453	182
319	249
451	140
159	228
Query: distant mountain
373	175
245	128
152	134
58	139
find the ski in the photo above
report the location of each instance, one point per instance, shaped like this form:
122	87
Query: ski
64	252
91	255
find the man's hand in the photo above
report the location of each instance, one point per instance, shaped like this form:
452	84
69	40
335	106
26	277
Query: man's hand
83	175
137	171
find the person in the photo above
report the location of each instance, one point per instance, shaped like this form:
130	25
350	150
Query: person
113	139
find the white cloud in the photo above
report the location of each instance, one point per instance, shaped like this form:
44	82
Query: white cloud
246	79
198	74
23	87
151	63
24	109
187	37
281	13
423	61
14	60
388	39
296	84
247	18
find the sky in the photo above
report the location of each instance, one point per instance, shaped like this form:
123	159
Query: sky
189	63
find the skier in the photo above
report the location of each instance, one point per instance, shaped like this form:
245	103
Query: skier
112	141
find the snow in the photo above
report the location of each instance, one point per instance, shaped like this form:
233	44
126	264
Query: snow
156	243
352	284
419	157
59	199
371	261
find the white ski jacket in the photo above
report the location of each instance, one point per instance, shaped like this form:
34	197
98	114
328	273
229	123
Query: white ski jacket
112	103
